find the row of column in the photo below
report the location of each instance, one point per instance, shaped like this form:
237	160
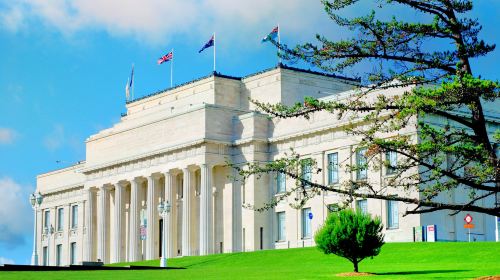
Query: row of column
205	228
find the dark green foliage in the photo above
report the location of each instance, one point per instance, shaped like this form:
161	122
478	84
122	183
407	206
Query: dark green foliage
429	62
352	235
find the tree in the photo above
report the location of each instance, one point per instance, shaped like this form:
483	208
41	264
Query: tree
352	235
430	62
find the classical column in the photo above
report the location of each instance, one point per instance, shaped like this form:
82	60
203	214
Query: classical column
102	230
206	225
134	221
186	213
89	241
117	242
169	182
151	222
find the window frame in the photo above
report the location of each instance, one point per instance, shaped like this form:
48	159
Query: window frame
333	169
72	252
281	226
60	219
364	208
390	168
306	223
74	216
46	219
392	216
361	174
280	182
306	172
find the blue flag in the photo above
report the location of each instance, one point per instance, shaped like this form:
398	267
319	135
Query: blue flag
209	44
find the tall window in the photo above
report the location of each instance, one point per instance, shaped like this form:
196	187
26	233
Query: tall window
306	223
74	216
45	256
392	161
306	172
392	214
281	226
60	219
281	182
362	205
46	219
333	168
58	254
361	172
73	253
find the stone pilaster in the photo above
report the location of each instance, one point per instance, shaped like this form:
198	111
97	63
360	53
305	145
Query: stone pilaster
152	217
134	221
206	210
89	241
102	230
169	224
117	240
186	213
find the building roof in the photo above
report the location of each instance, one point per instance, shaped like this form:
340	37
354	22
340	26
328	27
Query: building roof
218	74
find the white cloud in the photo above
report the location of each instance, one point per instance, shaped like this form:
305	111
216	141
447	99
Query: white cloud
6	261
56	138
15	213
158	21
7	135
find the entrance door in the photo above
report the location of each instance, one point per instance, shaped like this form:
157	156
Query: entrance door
161	237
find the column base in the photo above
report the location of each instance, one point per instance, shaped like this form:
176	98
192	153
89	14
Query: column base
34	259
163	262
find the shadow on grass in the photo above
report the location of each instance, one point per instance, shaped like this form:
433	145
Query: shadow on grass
421	272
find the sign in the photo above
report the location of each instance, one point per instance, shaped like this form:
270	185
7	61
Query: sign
469	226
143	231
310	215
468	219
431	233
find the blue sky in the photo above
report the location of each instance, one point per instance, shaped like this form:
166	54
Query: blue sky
64	65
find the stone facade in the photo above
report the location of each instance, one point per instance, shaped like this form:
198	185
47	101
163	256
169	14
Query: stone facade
174	145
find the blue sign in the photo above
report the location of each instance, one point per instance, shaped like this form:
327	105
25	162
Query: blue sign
310	216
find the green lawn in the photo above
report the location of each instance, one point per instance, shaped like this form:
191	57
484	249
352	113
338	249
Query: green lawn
396	261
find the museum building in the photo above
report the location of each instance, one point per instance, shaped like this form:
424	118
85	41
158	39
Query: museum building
174	146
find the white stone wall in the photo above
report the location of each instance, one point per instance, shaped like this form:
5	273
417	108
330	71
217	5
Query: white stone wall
177	143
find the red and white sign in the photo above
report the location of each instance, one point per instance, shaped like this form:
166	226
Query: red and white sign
468	219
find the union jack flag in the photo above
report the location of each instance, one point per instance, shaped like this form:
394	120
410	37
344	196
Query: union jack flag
169	56
272	35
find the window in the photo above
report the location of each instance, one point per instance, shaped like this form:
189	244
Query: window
333	168
280	182
361	164
392	214
45	256
74	216
392	162
281	226
46	219
362	205
60	219
58	254
306	172
306	223
332	208
73	253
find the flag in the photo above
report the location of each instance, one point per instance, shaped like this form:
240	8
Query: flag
272	35
129	84
169	56
209	44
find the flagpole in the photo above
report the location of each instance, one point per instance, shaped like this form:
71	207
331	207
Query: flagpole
214	52
172	70
279	45
133	84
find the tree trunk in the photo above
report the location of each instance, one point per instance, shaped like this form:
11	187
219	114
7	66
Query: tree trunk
355	263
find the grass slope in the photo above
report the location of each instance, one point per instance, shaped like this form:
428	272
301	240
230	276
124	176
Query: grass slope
396	261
